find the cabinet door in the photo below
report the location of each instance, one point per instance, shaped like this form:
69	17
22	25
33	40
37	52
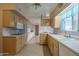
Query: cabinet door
22	40
12	20
56	48
64	51
1	49
9	45
53	46
6	15
45	22
26	37
8	18
49	41
43	38
18	47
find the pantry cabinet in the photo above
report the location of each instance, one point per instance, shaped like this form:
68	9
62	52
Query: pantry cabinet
8	18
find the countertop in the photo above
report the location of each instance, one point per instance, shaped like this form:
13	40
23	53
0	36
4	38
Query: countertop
71	43
10	36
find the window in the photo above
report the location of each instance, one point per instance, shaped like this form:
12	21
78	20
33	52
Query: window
69	18
68	24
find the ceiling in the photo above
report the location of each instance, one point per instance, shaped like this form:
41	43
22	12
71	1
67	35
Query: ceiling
34	15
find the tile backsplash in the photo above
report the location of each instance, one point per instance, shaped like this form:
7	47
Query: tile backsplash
6	32
47	29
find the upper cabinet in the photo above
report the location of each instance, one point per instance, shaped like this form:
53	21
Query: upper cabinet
13	19
45	22
8	18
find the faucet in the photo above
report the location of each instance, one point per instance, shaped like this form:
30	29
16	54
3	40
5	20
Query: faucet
67	34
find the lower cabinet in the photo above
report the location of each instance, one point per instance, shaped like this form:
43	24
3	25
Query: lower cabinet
12	45
64	51
9	46
18	42
43	38
53	46
56	48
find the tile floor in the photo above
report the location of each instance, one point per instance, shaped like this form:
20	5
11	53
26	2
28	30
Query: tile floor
33	48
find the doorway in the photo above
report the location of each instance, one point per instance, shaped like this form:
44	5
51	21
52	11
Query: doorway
36	30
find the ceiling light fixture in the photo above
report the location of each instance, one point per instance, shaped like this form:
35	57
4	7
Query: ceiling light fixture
37	5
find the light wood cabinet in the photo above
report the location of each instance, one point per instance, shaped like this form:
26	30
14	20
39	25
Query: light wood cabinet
9	45
56	48
21	40
64	51
43	38
8	18
18	48
53	46
12	45
50	44
1	49
45	22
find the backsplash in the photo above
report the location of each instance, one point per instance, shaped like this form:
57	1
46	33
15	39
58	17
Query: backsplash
46	29
6	32
11	31
17	31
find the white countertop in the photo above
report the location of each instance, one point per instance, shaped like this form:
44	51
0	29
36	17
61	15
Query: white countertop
71	43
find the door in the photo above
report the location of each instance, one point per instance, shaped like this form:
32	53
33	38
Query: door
36	29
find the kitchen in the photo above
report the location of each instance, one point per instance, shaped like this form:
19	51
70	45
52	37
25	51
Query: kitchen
51	26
